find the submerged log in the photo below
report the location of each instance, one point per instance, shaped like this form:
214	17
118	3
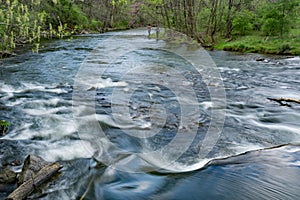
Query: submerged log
35	172
284	101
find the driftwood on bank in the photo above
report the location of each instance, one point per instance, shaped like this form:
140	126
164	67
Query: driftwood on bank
285	101
6	54
35	172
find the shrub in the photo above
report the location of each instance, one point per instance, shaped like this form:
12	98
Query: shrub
242	22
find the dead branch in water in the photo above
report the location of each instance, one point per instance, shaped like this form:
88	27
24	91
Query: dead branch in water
285	101
88	188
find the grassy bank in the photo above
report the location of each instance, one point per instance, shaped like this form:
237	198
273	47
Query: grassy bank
290	45
254	43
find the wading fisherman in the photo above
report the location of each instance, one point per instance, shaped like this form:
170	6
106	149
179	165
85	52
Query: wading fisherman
149	29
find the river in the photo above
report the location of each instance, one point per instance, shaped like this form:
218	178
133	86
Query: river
135	118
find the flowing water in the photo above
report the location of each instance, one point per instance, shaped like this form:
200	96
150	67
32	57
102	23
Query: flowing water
134	118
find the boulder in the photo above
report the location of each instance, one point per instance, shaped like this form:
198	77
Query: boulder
259	59
7	176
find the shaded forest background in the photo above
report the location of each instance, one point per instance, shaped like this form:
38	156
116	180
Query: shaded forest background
266	26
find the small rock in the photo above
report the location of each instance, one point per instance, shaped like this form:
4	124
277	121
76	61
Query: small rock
266	61
91	89
259	59
8	176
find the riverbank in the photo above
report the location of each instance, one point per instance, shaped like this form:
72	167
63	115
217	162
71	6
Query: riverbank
35	48
262	45
245	44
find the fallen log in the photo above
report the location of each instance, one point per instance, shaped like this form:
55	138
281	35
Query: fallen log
32	165
284	101
26	188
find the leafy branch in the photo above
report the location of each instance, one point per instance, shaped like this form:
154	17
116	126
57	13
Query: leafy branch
4	126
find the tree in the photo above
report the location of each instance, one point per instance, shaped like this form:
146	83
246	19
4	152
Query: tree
278	16
242	23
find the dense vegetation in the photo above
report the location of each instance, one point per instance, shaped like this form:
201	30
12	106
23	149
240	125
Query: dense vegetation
267	26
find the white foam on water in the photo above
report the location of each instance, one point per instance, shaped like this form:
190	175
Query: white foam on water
222	69
49	131
296	58
10	90
173	166
105	83
45	111
17	102
283	127
243	147
122	122
179	167
207	105
67	150
43	88
293	149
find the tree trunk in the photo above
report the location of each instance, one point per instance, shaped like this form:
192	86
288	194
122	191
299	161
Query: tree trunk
212	22
166	15
191	21
229	20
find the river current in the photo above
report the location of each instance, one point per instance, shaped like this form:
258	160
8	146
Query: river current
135	118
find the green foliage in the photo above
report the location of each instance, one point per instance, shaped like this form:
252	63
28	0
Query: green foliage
95	24
4	123
65	12
278	17
271	27
3	126
122	24
155	2
284	48
260	44
242	23
27	21
118	2
19	24
74	16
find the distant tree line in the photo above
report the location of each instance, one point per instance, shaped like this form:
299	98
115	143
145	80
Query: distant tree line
28	21
205	19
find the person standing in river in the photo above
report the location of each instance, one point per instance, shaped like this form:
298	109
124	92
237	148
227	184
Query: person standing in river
149	29
157	32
